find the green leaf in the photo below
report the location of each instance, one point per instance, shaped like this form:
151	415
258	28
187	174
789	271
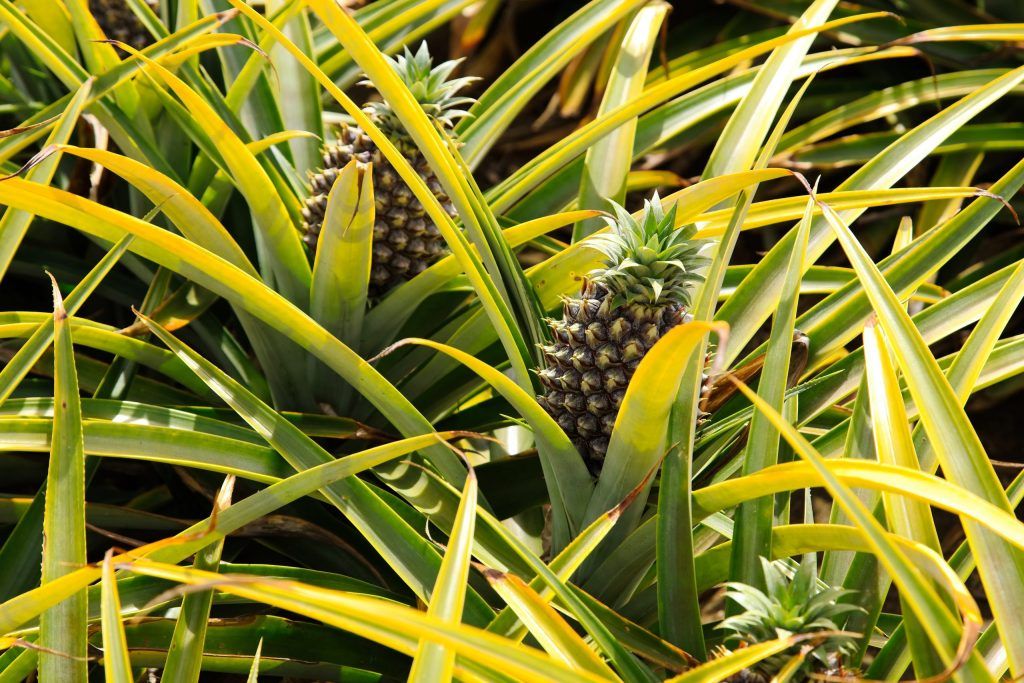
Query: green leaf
857	148
63	627
547	163
255	670
54	21
26	357
607	162
390	25
745	132
837	319
159	444
18	610
956	445
721	668
993	32
754	521
20	553
398	626
284	248
628	667
215	274
775	211
552	632
894	445
98	55
569	484
435	662
563	565
886	102
117	668
964	372
98	337
187	213
409	555
675	541
958	168
185	652
15	223
749	306
296	648
639	438
297	92
496	108
341	271
950	639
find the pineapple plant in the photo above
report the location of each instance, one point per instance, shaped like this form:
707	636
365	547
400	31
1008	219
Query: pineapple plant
318	526
623	309
790	607
120	23
405	240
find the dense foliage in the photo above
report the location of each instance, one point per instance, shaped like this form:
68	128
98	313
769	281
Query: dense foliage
510	341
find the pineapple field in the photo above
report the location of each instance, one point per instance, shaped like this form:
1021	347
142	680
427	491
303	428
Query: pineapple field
511	340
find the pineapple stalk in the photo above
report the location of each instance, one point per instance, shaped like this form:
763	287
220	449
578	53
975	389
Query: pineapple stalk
405	240
623	309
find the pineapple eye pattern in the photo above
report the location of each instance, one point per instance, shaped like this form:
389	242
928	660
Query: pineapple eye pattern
405	240
623	309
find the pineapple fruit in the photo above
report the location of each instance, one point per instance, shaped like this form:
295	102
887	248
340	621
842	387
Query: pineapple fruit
788	608
623	309
119	22
405	240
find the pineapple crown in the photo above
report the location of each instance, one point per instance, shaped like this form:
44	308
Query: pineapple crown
649	260
793	607
431	87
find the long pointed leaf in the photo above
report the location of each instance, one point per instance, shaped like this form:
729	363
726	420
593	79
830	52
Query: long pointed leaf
411	556
117	667
748	307
63	628
607	163
957	447
752	536
435	662
185	651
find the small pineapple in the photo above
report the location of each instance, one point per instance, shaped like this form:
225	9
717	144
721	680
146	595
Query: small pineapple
622	311
788	608
405	240
118	22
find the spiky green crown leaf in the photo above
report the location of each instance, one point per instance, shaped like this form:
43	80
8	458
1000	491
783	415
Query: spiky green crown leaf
431	87
649	260
789	608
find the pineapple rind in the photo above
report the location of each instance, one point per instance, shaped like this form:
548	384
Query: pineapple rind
405	240
596	351
623	310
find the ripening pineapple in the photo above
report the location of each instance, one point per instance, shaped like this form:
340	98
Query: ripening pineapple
118	22
405	240
623	309
789	607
